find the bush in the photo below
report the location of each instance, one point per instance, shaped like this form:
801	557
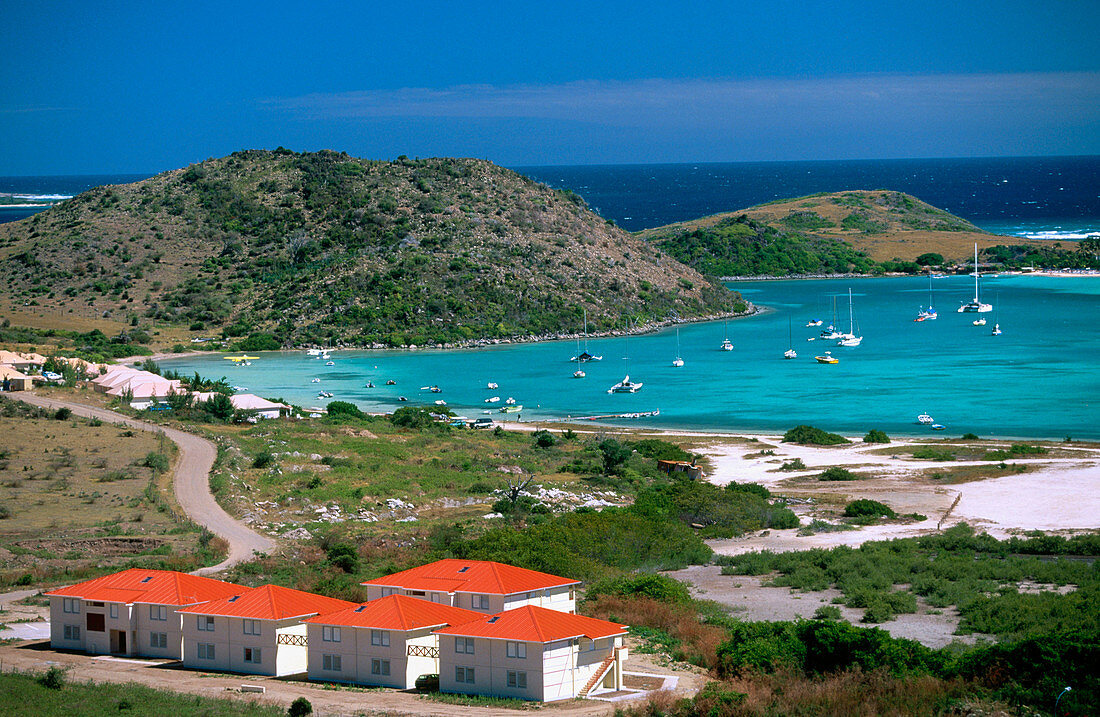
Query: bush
344	408
837	473
5	512
928	453
300	708
793	465
544	439
263	460
876	436
53	679
813	436
418	417
219	406
828	612
343	556
62	414
157	461
970	437
863	506
651	585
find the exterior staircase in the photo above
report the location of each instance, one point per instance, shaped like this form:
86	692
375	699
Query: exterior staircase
598	675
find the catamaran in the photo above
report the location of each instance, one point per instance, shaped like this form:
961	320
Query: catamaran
677	362
925	419
584	356
850	338
975	306
626	386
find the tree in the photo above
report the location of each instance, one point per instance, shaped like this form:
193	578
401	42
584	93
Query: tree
930	259
300	708
614	454
220	407
517	483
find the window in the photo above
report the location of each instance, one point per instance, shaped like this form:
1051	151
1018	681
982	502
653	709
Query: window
331	663
206	651
517	649
251	627
95	604
158	639
158	612
417	593
95	622
205	623
252	654
517	679
464	674
479	602
72	632
380	638
464	645
386	592
114	610
330	633
71	605
380	667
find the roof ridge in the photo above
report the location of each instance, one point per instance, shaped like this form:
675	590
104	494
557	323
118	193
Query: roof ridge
535	621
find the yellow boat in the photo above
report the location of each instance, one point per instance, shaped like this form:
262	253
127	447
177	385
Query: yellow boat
827	358
242	357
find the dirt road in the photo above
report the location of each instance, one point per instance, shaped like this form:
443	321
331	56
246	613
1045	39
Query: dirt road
191	481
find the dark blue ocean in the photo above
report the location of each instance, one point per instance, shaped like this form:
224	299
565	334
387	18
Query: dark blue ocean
1043	197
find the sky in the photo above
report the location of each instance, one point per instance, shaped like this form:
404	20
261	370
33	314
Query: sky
116	87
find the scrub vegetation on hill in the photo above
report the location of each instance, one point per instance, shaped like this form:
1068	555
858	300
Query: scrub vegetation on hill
323	247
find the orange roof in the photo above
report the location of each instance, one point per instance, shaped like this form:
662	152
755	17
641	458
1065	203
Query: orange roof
471	576
157	587
397	612
270	602
535	624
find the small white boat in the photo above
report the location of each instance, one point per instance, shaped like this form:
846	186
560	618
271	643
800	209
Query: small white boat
510	409
626	386
578	374
491	385
330	363
827	358
436	389
510	401
677	362
925	419
979	322
727	345
441	403
850	338
493	399
938	427
790	353
814	322
313	352
996	330
316	380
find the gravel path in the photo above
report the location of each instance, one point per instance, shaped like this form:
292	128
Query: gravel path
191	482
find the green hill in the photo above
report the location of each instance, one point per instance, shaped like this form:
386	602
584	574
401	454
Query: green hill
323	247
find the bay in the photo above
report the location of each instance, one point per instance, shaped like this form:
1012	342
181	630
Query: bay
1039	379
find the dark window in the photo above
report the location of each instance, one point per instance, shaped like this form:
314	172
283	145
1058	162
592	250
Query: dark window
95	622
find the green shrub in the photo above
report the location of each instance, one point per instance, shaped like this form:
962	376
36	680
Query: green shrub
344	408
300	707
828	612
813	436
970	437
418	417
651	585
157	461
62	414
263	460
928	453
793	465
837	473
53	678
876	436
544	439
863	506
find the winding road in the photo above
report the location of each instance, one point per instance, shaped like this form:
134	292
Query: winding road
191	482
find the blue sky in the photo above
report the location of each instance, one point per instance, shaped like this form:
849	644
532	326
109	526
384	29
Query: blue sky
142	87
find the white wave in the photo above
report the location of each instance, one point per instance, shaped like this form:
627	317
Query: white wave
1074	234
43	197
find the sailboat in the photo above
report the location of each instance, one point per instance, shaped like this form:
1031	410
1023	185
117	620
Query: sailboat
790	353
975	306
677	362
930	313
727	345
996	326
830	331
850	338
626	385
584	356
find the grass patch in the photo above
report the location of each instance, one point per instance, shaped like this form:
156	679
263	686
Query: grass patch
509	703
836	473
930	453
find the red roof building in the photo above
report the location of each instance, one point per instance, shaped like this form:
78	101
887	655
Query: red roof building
482	585
387	642
532	653
132	612
269	602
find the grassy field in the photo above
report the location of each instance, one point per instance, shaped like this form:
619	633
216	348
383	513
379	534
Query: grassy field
80	497
25	694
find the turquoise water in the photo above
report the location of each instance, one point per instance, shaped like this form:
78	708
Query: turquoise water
1039	379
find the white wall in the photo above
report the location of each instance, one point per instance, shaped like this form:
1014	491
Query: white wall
230	641
356	653
491	666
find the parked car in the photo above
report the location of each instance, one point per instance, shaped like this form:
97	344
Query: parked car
427	683
482	423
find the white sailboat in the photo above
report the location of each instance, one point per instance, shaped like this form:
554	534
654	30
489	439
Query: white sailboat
928	314
727	345
830	331
790	353
584	356
677	362
850	338
975	306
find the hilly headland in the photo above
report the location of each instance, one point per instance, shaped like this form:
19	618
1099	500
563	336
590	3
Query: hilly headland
277	248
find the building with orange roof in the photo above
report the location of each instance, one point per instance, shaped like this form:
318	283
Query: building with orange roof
387	642
258	631
132	612
481	585
532	653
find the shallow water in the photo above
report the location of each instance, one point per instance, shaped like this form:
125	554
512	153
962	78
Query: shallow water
1039	379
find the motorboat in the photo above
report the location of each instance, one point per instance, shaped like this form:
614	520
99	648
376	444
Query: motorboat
491	385
814	322
510	409
996	330
402	398
313	352
436	389
578	374
510	401
441	403
938	427
330	363
316	380
370	384
827	358
979	322
925	419
391	382
626	386
493	399
975	306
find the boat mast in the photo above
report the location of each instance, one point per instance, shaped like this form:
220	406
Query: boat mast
976	273
851	321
